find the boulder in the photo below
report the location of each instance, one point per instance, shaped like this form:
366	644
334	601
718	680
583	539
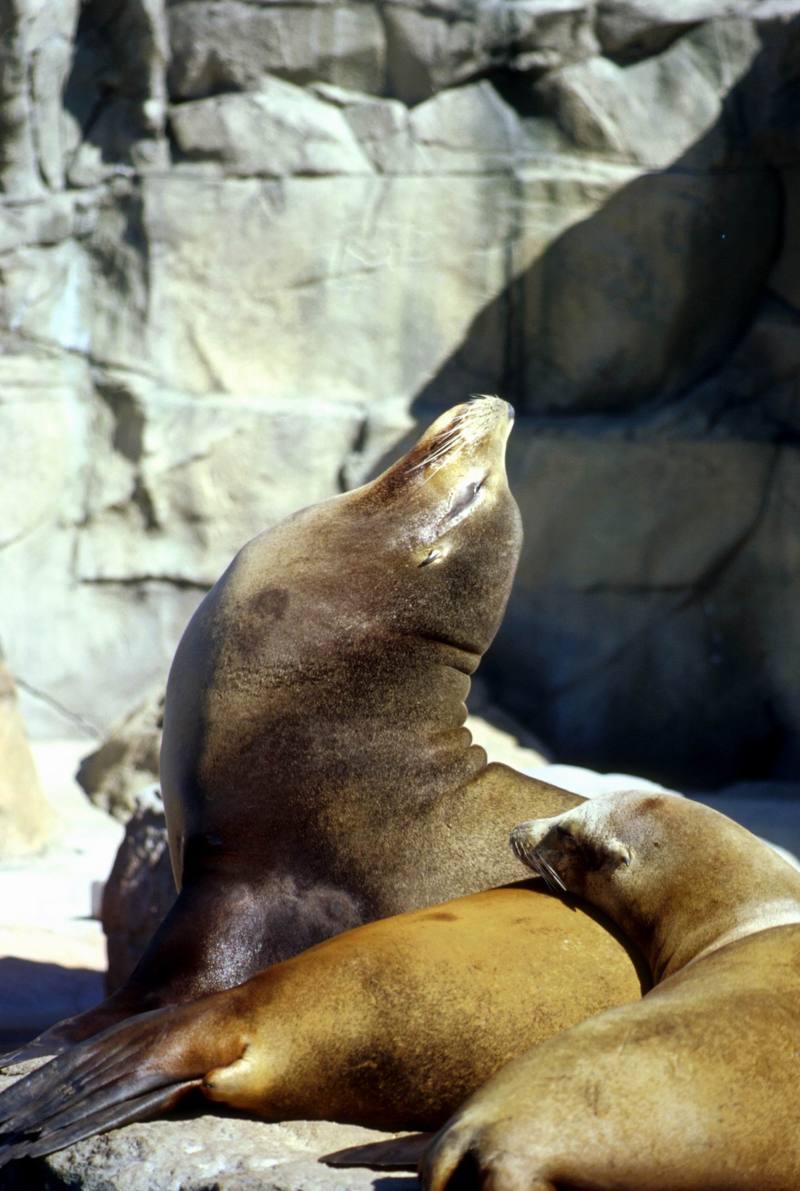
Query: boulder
233	45
433	46
35	54
140	888
630	30
127	760
607	108
279	129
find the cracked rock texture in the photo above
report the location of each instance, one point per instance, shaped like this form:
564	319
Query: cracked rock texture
245	247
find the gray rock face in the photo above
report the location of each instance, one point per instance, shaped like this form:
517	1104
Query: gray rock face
433	46
234	45
232	283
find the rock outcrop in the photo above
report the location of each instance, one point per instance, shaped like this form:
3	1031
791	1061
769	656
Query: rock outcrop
127	760
139	890
245	245
202	1150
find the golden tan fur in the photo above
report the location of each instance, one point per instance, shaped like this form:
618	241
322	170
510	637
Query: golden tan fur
695	1087
391	1024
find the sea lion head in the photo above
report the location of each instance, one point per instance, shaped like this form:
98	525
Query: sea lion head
425	552
675	875
600	849
450	530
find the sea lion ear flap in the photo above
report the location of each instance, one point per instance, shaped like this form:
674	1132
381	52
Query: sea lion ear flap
617	853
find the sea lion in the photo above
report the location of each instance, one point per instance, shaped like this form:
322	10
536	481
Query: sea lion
391	1024
694	1088
315	768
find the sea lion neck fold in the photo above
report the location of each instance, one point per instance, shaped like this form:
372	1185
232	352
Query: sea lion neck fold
600	850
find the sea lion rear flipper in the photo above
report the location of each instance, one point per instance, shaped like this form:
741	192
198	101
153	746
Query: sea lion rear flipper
34	1049
112	1079
70	1031
53	1137
399	1153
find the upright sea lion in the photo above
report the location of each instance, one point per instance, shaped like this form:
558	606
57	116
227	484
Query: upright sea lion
315	768
695	1087
391	1024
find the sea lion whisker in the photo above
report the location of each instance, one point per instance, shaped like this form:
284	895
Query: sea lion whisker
438	452
435	466
518	848
551	876
529	855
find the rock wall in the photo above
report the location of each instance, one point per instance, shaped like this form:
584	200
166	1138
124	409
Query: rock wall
245	244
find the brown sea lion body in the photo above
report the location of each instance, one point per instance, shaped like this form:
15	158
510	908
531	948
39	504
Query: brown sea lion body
315	766
695	1087
391	1024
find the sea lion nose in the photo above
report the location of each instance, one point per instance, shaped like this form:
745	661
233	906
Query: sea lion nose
511	411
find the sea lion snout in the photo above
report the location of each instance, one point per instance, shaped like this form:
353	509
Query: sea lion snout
567	850
473	434
526	841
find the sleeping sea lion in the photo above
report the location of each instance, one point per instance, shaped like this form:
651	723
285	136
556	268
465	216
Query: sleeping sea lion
315	766
694	1088
391	1024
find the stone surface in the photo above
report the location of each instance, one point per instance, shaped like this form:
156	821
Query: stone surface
608	108
127	760
233	45
231	284
35	54
26	819
140	888
434	46
276	131
686	611
203	1150
633	29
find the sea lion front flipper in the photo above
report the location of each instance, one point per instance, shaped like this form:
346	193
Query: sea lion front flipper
399	1153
